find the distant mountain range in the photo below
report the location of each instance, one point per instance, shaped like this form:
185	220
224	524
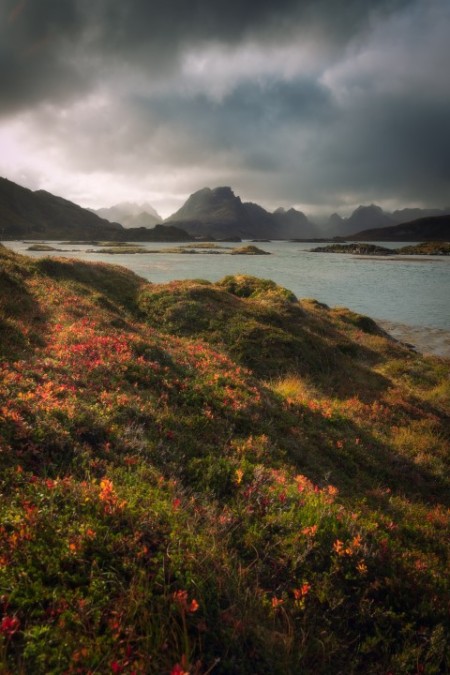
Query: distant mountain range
208	213
373	217
433	228
25	214
220	213
131	215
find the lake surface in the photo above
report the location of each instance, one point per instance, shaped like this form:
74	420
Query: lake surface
411	290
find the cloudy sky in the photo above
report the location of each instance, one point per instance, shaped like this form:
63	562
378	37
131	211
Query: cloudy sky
318	104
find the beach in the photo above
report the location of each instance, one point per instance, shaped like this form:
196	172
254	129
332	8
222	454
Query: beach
426	340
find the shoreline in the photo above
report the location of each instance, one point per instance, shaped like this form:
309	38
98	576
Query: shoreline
427	340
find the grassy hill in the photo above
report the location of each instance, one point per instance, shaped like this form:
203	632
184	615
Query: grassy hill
214	478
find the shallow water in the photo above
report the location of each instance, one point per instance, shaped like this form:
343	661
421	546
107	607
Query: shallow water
413	290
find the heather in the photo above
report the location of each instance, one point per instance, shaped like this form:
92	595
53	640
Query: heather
219	478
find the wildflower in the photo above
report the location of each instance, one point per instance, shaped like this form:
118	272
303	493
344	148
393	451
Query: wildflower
239	475
276	602
181	599
9	626
356	542
300	593
193	606
338	547
361	567
310	531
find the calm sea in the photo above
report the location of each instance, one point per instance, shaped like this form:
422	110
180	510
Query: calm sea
412	290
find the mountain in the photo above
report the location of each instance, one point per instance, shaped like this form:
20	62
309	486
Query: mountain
25	214
365	217
294	224
41	215
362	218
373	217
220	213
406	215
130	214
433	228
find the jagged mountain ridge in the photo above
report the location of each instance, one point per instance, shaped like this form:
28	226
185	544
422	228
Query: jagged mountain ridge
374	217
130	214
208	213
220	213
42	215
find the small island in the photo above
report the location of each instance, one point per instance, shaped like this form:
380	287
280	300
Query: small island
355	249
44	247
425	248
189	249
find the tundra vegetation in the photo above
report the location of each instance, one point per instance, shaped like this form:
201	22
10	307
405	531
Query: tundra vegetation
214	478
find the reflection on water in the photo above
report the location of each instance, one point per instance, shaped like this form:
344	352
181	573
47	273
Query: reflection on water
413	291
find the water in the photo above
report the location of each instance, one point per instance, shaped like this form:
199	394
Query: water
411	290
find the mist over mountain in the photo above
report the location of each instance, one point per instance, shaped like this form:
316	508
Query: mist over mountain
433	228
373	217
41	215
220	213
130	214
208	213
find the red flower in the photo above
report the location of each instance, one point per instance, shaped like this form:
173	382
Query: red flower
9	625
178	670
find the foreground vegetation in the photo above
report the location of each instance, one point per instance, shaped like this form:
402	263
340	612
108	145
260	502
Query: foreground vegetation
203	478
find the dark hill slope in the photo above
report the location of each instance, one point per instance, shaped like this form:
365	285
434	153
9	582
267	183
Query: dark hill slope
40	215
163	509
432	228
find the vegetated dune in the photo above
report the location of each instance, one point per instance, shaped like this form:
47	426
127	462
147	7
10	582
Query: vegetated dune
203	477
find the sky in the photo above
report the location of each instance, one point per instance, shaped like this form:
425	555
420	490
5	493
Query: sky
318	104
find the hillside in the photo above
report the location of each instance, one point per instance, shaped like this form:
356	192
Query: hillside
40	215
214	478
219	213
432	228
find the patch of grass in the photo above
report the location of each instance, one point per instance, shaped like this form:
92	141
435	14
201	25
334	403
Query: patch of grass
203	477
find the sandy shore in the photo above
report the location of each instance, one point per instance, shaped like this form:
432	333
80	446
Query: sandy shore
426	340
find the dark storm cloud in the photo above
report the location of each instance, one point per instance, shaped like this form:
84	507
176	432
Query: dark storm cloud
250	113
290	102
396	146
54	49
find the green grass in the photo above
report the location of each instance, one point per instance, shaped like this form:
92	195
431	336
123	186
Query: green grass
219	478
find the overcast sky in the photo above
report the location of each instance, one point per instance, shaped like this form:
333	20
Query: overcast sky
318	104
